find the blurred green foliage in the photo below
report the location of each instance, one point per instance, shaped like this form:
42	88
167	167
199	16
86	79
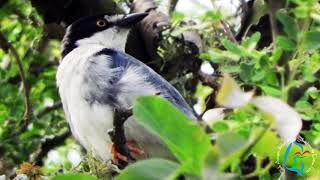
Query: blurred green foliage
290	62
23	27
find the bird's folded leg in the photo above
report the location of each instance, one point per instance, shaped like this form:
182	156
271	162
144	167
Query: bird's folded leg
120	153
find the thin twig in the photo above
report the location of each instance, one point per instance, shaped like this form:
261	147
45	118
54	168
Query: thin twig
228	32
209	80
6	46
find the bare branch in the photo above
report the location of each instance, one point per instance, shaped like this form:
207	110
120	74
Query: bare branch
274	6
228	32
6	46
172	6
47	145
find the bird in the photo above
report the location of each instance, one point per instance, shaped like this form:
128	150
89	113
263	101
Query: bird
98	83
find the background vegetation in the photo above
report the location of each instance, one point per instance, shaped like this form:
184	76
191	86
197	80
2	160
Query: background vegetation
269	47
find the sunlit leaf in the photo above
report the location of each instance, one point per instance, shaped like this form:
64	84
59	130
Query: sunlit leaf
251	42
186	140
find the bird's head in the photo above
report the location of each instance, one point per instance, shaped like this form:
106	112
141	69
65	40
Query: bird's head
110	31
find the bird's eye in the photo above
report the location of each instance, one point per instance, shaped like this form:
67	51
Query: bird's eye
101	23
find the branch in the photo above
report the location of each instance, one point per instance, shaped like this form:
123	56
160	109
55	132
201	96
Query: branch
6	46
172	6
209	80
151	26
228	32
274	6
47	145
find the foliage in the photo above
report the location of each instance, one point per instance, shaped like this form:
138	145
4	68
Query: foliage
244	143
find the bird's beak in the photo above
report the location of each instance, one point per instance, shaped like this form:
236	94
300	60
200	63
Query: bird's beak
131	19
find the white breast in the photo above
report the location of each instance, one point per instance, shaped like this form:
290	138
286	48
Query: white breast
89	123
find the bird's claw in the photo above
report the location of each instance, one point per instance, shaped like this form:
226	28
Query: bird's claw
123	160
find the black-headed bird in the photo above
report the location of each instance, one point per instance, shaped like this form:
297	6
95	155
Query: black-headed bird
98	83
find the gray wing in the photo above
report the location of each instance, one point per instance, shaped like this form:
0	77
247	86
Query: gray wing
124	72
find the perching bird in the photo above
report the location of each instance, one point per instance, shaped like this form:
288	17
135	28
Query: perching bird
97	80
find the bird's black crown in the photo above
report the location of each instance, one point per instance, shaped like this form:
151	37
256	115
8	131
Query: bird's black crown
87	26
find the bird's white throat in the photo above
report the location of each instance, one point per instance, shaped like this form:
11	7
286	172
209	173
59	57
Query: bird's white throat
112	38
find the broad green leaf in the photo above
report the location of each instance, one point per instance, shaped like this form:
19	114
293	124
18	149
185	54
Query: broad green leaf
152	169
259	10
247	72
218	56
177	17
186	140
230	142
230	146
285	43
251	42
74	176
214	16
276	55
270	140
312	40
271	90
234	48
290	25
220	126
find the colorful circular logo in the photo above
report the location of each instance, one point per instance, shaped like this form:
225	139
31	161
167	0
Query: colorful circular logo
297	157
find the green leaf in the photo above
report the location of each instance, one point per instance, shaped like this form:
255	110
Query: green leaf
74	176
312	40
290	25
220	126
259	10
285	43
270	140
186	140
234	48
230	142
276	55
251	42
177	17
246	72
152	169
231	146
213	16
271	90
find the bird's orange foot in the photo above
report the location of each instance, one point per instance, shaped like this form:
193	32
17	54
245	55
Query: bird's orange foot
132	147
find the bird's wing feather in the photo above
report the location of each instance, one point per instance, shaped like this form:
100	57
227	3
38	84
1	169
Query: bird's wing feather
133	77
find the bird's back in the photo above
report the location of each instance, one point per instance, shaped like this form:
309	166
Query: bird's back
124	63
